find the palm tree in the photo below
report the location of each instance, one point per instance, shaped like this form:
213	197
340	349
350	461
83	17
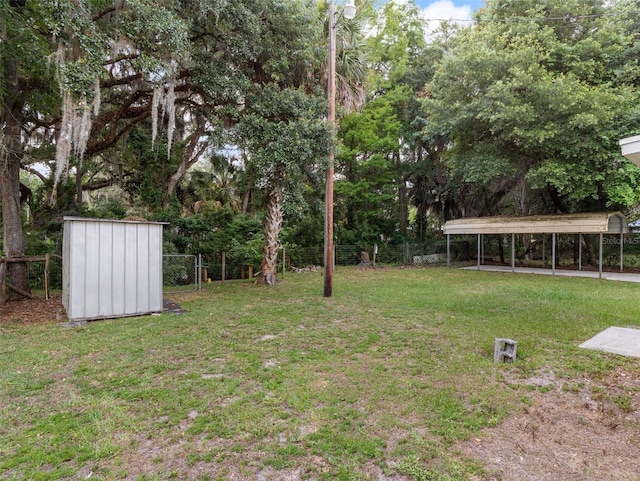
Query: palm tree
307	72
351	64
216	187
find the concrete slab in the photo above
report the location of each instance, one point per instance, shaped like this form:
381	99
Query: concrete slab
611	276
618	340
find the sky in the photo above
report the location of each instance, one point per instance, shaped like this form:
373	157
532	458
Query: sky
449	9
450	5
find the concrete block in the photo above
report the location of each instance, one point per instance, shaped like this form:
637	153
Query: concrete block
504	350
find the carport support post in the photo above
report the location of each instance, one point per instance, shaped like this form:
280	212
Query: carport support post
448	250
513	252
478	251
621	251
544	241
580	251
553	254
600	257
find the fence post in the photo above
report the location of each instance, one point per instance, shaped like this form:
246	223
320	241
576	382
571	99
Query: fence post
579	251
553	253
3	280
513	252
224	267
375	253
199	272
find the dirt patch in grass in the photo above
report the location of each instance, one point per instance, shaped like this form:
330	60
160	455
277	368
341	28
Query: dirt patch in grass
583	432
32	311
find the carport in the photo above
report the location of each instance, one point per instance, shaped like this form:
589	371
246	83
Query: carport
600	223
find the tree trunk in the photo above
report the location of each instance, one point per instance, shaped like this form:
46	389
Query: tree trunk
188	159
272	226
245	201
10	159
401	187
78	201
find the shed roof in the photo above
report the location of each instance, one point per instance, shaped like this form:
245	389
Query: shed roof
112	221
584	223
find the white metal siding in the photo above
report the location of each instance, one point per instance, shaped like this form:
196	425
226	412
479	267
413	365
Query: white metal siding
111	268
631	148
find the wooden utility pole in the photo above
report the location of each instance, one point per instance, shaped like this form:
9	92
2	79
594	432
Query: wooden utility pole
328	197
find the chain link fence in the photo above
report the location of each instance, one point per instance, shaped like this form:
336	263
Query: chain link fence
181	273
311	258
185	273
530	250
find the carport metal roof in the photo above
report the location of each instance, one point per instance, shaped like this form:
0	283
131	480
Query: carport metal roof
585	223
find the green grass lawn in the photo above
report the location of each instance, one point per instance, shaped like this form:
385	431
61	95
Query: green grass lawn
385	376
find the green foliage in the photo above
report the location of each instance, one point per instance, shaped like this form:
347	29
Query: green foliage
288	139
23	37
515	114
212	232
285	133
149	168
398	46
246	251
110	207
368	160
540	102
217	185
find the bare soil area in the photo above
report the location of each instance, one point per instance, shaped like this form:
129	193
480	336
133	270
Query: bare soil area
589	431
32	311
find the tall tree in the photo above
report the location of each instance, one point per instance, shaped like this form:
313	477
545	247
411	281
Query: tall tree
181	67
389	129
533	100
368	192
75	76
283	126
282	144
216	186
24	86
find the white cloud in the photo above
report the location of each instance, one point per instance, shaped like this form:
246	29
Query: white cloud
446	10
442	10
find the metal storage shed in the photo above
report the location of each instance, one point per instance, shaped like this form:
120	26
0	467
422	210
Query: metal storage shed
585	223
111	268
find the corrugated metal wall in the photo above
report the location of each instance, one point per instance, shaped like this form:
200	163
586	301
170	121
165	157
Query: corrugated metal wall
111	268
